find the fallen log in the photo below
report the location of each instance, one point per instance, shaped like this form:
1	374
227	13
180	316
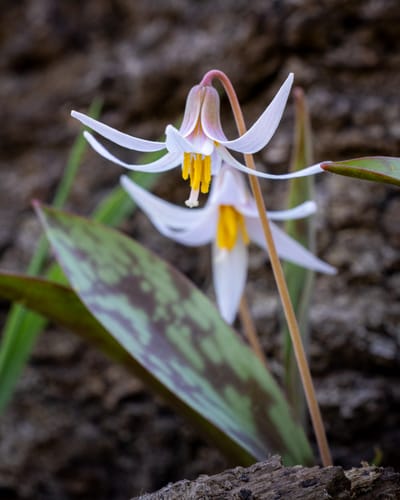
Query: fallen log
270	480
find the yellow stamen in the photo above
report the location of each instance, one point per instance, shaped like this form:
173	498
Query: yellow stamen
197	168
206	174
186	166
231	223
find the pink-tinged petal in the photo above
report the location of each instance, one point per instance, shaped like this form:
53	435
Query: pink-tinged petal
260	133
174	216
228	158
167	162
195	143
124	140
201	143
287	248
191	114
210	116
229	275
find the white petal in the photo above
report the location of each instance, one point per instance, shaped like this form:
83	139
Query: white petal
174	216
263	129
226	156
196	143
168	161
176	142
216	162
287	248
200	232
124	140
229	275
192	110
229	188
210	115
304	210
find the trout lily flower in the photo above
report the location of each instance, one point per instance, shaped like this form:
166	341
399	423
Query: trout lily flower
229	221
200	144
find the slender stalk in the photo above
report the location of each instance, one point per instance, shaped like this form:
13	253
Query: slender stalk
279	277
250	330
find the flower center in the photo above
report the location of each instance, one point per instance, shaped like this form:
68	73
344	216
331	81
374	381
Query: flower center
231	223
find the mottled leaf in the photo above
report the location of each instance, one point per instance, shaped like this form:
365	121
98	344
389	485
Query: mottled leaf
371	168
175	333
60	304
299	279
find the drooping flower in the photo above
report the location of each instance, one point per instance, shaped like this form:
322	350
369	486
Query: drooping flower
200	144
229	221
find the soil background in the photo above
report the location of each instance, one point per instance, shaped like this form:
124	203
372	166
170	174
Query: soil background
79	427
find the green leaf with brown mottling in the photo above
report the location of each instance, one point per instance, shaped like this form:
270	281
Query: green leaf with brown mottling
370	168
176	334
60	304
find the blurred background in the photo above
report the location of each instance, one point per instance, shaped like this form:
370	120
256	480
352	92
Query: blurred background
79	427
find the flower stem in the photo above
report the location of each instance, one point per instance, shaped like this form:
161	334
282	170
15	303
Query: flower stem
301	358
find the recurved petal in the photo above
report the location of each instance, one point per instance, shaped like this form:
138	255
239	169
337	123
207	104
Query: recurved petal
226	156
229	275
168	161
175	217
124	140
287	248
260	133
303	210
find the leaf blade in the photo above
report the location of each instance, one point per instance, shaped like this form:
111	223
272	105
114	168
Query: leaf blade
299	279
153	311
384	169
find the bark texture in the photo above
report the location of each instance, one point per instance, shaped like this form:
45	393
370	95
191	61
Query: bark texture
269	480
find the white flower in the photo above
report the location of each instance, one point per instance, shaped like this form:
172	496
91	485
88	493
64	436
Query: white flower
229	221
200	144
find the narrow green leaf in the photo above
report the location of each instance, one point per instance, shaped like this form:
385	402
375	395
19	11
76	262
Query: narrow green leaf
174	332
299	279
370	168
22	327
74	161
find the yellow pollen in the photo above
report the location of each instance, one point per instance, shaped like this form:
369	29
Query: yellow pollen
231	223
197	168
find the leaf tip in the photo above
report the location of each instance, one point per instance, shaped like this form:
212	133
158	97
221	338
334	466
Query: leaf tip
325	165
